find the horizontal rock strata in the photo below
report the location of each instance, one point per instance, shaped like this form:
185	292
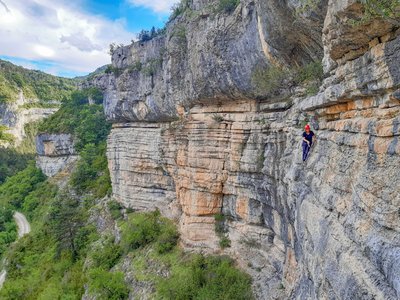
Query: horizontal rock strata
195	141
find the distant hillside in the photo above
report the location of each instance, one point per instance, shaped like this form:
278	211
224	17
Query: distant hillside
34	84
90	76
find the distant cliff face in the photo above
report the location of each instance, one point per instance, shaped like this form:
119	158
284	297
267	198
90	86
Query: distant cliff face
55	152
27	96
17	114
195	138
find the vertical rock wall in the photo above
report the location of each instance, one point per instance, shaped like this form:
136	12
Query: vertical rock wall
326	229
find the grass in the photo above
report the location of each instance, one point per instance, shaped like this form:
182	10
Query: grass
217	118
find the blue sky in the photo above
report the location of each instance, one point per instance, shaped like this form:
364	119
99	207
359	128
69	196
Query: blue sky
71	38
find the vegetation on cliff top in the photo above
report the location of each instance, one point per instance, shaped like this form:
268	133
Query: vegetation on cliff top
272	79
385	9
33	84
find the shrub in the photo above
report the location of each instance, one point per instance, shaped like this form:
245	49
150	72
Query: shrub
108	285
114	70
115	209
269	80
311	75
179	33
307	6
152	65
217	118
91	173
106	255
136	67
167	239
310	72
224	242
205	278
142	229
83	237
86	122
178	9
222	230
228	6
388	10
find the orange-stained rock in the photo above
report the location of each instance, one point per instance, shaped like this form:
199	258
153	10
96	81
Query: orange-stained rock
199	203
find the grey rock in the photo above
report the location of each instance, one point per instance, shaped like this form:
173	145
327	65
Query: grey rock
55	152
55	145
194	139
207	55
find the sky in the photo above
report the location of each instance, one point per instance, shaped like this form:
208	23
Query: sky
72	37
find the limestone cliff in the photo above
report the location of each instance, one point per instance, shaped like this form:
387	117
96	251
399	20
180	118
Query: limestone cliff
17	114
55	153
194	137
27	96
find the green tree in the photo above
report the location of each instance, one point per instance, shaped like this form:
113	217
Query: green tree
65	220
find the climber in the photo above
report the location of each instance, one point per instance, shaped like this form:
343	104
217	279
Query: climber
308	139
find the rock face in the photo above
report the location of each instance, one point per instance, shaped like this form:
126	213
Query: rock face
55	152
194	139
15	116
207	55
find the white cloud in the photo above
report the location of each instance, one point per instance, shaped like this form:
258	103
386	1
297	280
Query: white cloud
44	51
159	6
58	31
